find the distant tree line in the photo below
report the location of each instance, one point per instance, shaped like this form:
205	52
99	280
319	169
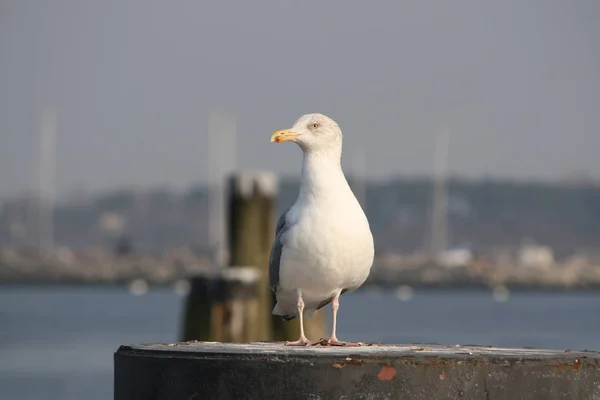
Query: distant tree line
481	214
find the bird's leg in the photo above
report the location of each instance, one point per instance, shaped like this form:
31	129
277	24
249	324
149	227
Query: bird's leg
333	340
303	341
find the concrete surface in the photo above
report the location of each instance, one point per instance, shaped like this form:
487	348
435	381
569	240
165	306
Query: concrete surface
210	370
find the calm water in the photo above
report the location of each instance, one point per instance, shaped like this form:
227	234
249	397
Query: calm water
58	342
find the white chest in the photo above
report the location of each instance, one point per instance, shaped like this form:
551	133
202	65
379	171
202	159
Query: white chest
328	247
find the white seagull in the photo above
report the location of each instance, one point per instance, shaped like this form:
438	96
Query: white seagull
323	244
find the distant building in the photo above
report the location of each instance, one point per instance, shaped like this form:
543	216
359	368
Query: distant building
532	255
456	257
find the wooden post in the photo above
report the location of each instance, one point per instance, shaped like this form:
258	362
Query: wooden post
222	306
215	371
252	220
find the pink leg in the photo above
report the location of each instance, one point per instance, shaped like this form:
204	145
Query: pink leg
333	340
303	341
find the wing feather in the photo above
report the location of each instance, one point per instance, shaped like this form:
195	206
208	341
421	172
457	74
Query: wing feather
277	249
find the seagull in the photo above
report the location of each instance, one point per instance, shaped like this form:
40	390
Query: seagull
323	244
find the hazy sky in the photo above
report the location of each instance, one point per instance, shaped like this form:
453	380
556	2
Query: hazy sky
515	82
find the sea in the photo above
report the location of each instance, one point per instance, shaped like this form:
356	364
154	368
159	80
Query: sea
57	342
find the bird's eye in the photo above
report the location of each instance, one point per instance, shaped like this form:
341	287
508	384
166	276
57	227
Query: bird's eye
315	125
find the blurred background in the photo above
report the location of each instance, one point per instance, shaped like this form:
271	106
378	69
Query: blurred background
471	140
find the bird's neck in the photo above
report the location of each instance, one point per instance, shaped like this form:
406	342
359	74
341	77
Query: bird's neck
322	175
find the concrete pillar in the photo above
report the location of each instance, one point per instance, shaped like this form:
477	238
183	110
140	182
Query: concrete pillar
265	371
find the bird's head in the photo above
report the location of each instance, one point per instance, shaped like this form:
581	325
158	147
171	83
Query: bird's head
312	132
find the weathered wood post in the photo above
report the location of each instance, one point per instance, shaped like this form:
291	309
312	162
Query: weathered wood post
214	371
252	220
221	306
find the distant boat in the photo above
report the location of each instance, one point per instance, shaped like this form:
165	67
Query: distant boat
500	293
404	293
182	287
138	287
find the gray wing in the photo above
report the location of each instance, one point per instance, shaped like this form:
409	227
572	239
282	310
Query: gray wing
277	249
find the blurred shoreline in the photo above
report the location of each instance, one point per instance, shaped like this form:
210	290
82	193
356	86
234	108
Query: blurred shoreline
416	270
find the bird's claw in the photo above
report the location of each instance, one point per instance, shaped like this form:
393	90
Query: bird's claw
323	342
300	342
335	342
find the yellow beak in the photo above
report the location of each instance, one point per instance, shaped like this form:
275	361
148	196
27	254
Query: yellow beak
283	135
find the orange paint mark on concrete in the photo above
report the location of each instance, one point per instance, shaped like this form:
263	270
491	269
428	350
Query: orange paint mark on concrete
387	373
